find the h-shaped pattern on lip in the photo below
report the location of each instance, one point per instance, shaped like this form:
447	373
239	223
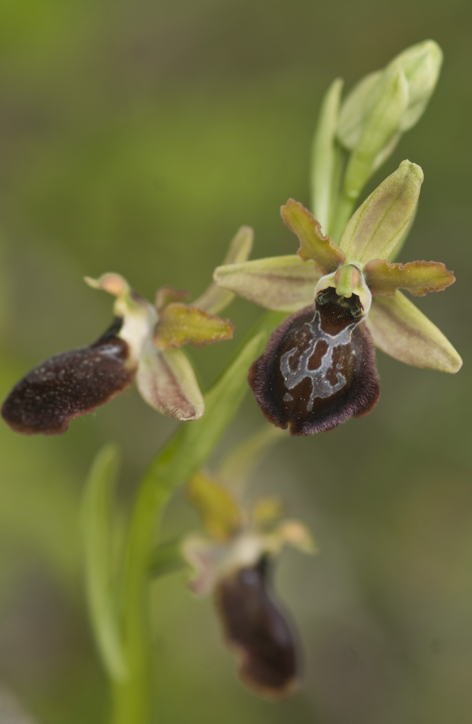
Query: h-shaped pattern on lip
321	387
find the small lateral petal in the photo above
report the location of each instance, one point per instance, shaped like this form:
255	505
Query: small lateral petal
218	510
215	298
180	324
256	628
282	283
418	277
313	243
399	329
167	382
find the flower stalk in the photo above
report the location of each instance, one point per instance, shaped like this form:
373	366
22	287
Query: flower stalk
181	457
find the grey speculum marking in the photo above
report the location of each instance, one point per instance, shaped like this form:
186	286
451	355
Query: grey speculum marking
321	387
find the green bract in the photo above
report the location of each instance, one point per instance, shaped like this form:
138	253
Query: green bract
358	265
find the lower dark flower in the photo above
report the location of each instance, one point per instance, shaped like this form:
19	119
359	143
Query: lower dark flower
257	629
69	385
319	367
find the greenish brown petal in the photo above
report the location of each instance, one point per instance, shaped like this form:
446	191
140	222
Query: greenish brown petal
379	224
167	382
417	277
281	283
180	324
215	298
399	329
220	514
313	243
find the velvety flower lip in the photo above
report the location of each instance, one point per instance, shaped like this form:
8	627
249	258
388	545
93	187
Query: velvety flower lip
309	380
233	562
69	385
257	629
144	343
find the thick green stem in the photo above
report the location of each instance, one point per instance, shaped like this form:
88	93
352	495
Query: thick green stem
186	452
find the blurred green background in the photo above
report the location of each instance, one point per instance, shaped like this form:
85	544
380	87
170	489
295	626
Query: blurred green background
136	137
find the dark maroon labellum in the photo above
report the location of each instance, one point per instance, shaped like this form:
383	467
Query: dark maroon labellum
318	369
69	385
257	630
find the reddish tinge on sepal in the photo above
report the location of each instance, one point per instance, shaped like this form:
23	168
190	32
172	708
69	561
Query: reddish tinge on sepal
319	367
257	630
70	385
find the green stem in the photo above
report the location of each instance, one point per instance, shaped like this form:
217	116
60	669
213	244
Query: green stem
186	452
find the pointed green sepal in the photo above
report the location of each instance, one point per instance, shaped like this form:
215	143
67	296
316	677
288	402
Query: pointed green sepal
399	329
180	324
417	277
215	298
220	514
379	224
282	283
167	382
313	243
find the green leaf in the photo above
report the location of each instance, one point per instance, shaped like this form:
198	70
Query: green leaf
97	536
399	329
326	157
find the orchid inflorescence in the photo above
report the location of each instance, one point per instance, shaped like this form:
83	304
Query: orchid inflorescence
341	293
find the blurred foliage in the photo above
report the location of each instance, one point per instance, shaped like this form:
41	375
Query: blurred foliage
137	137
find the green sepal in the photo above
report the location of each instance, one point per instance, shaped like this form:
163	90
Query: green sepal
400	330
314	244
417	277
379	224
215	298
281	283
167	382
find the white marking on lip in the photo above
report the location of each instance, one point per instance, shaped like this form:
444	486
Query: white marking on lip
319	377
